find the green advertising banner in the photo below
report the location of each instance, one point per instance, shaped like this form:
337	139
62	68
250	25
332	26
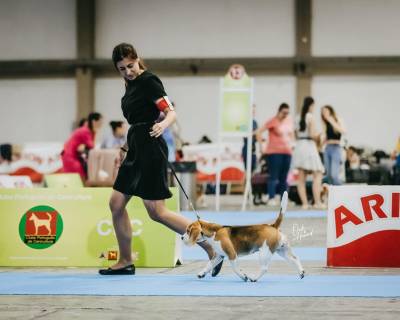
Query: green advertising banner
63	180
73	227
236	101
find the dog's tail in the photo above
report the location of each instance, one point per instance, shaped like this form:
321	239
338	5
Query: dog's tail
284	202
49	215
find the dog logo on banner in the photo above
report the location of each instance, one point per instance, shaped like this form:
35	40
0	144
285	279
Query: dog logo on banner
40	227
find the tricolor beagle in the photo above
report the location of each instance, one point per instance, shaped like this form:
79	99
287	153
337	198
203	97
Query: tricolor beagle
234	241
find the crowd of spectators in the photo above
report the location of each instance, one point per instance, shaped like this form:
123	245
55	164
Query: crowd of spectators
313	159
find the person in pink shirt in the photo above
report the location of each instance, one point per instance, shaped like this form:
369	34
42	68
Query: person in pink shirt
81	139
278	150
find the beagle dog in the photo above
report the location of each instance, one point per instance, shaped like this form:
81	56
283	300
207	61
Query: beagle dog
235	241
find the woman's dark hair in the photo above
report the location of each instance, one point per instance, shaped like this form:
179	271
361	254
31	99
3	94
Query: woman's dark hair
6	151
125	50
205	139
115	125
331	111
307	103
283	106
354	149
94	116
81	122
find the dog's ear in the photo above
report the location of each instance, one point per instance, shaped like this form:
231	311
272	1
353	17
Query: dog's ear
194	232
209	228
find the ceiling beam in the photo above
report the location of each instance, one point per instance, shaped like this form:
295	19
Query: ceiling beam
210	66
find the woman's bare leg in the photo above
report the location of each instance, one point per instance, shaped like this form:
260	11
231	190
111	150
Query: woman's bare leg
160	213
301	188
317	186
122	227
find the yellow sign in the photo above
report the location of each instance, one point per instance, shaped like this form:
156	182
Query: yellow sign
236	101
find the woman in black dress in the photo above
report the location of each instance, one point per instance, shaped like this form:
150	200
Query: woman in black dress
142	164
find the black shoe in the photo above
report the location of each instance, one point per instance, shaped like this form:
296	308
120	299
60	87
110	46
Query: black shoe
218	267
128	270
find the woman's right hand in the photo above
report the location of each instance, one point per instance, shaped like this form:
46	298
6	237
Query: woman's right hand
120	158
81	148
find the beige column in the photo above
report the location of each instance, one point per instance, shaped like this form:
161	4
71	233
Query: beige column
85	22
303	17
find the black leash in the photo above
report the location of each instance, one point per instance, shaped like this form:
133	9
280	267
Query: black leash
176	177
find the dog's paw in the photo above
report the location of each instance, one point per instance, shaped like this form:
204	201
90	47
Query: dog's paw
201	275
253	280
302	274
245	278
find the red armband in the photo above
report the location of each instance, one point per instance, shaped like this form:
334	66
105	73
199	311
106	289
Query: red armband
164	103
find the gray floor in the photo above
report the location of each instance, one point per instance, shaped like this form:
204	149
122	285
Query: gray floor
69	307
100	307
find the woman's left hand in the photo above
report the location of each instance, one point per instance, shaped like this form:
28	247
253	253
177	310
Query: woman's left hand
157	130
81	148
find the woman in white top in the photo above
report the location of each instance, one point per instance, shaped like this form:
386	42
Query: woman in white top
305	156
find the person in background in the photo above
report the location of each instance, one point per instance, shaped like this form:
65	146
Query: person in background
169	139
305	155
396	153
253	145
176	133
332	133
117	138
279	151
5	153
201	201
352	164
204	139
352	158
81	140
396	157
82	122
256	190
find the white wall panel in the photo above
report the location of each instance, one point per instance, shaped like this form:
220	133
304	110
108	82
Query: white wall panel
369	107
356	27
191	28
37	29
108	94
197	101
270	92
36	110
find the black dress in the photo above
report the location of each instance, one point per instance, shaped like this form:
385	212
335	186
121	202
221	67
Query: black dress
143	173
